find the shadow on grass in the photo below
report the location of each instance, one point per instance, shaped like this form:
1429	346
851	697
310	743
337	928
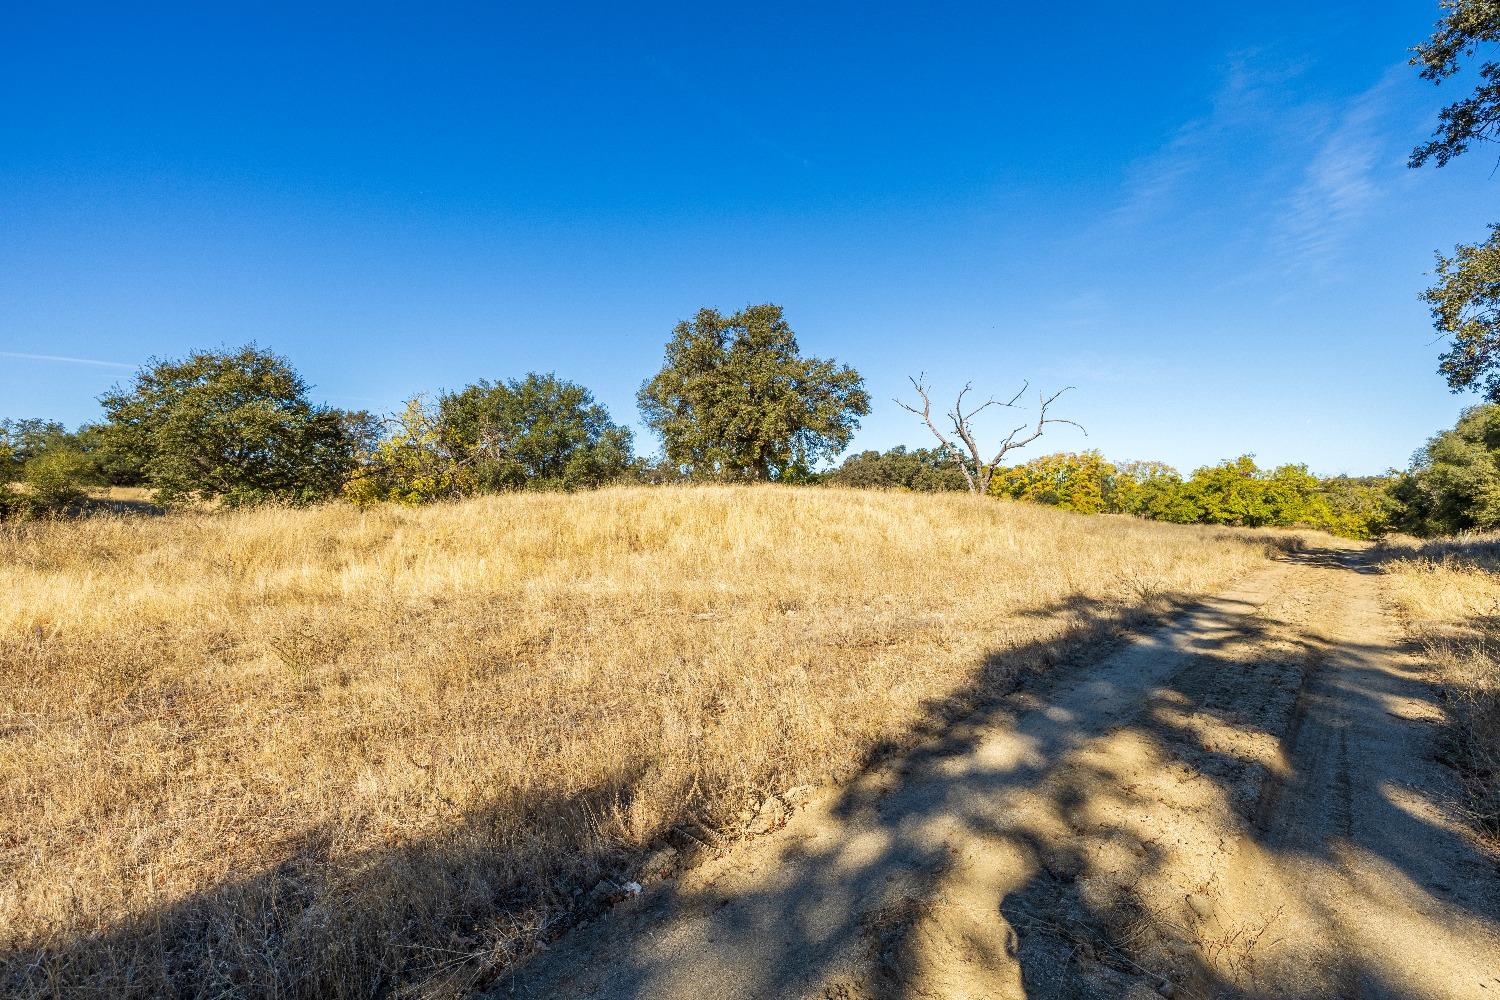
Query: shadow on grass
1010	865
438	916
119	506
320	924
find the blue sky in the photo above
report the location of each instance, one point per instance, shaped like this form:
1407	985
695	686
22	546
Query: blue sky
1201	218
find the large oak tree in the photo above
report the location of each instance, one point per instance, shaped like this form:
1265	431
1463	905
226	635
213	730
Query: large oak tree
236	426
735	398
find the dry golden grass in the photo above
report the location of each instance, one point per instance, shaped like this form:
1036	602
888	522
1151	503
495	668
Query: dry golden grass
122	500
334	752
1448	593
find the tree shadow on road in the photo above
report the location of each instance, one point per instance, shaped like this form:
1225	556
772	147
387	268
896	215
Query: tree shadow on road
1043	863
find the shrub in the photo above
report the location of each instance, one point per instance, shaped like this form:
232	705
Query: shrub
56	478
1361	506
921	470
1072	481
1454	482
538	432
410	466
1151	490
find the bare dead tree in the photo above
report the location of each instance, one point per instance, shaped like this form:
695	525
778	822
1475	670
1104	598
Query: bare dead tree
969	458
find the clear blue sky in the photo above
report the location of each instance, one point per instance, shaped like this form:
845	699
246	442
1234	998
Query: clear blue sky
1199	215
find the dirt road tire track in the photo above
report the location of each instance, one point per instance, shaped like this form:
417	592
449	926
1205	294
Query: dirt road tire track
1385	893
1235	805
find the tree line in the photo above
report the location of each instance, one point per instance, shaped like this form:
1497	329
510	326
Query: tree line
1451	486
1234	492
734	400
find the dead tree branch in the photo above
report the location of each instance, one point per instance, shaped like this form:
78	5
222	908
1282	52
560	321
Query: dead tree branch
977	472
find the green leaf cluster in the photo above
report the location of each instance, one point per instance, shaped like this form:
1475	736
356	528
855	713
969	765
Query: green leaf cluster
538	432
1465	306
51	466
1465	27
409	464
1234	492
534	433
1465	298
1073	481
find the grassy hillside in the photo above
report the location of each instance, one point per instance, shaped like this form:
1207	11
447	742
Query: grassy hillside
334	752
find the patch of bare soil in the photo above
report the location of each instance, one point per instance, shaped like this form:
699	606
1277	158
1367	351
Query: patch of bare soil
1244	803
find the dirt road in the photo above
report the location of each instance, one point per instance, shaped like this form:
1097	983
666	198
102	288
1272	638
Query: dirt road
1244	803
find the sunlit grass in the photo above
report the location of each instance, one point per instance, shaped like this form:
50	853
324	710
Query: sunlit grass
336	751
1449	594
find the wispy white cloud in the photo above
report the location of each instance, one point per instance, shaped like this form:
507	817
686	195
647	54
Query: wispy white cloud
64	360
1248	95
1283	179
1154	181
1340	183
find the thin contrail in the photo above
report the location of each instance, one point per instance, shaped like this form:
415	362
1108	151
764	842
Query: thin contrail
71	361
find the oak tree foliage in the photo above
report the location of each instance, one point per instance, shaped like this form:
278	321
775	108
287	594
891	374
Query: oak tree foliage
1465	298
1454	483
920	470
1236	492
232	425
1465	26
537	432
1465	305
736	399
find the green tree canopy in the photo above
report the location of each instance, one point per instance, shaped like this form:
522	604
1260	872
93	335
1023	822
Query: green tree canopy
1234	492
1152	490
922	470
1071	480
26	439
1465	299
1465	304
49	461
1361	506
233	425
537	432
735	398
1454	482
409	464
